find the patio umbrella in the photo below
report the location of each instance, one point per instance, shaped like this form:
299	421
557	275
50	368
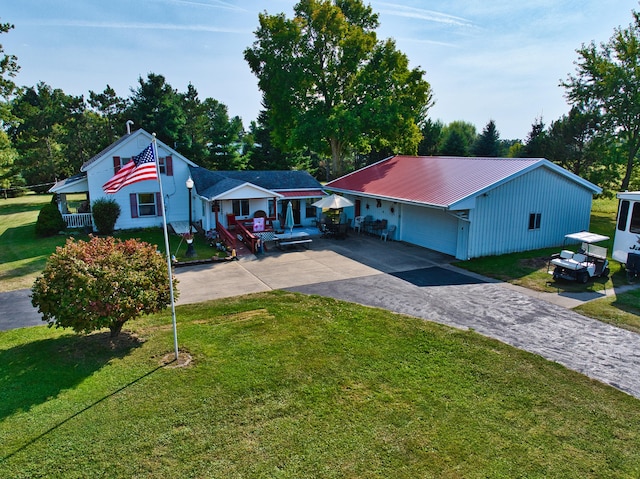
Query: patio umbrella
288	222
333	202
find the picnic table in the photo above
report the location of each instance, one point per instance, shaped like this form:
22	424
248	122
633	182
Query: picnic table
292	239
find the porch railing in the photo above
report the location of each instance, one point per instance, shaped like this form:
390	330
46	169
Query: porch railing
226	236
78	220
247	237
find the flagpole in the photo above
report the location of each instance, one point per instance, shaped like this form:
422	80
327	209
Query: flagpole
166	246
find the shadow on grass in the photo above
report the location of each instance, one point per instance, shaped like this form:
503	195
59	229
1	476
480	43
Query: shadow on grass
38	371
83	410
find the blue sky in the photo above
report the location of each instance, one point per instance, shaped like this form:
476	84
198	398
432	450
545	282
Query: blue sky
491	59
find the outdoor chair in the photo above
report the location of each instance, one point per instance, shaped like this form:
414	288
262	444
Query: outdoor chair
357	223
385	234
367	224
277	228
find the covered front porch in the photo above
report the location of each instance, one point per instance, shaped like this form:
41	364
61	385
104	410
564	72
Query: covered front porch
73	201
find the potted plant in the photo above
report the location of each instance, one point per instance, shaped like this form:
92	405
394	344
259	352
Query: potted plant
188	237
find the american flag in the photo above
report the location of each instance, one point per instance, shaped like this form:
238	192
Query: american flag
141	167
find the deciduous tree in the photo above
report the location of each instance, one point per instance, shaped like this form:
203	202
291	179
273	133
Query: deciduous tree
101	283
331	86
607	80
457	138
8	70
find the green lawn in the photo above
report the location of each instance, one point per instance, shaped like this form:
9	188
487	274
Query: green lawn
289	386
23	255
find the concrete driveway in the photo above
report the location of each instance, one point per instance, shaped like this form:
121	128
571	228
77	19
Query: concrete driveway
422	283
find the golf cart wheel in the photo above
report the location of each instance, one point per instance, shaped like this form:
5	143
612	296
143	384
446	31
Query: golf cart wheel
583	277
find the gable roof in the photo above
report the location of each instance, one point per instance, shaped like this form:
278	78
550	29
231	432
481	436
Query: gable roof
73	184
113	147
439	180
211	184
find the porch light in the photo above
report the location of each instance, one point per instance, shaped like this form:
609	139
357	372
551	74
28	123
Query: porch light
191	252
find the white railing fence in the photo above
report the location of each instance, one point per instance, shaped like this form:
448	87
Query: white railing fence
78	220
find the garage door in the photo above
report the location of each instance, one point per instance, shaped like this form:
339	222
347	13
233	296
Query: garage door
433	229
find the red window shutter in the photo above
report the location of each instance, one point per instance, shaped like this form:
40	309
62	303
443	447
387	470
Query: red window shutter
158	204
133	200
116	164
168	165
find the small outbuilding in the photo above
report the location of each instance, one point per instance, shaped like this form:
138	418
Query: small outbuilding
471	207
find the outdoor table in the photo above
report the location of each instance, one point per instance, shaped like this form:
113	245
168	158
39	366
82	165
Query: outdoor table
291	239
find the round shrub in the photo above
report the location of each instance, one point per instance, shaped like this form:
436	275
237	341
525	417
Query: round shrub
105	214
101	283
49	221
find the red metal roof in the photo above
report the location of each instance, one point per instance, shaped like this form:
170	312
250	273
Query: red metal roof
302	193
434	180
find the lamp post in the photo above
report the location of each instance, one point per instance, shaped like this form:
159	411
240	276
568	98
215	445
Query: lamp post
191	252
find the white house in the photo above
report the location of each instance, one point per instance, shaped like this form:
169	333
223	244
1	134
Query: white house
139	202
215	197
471	207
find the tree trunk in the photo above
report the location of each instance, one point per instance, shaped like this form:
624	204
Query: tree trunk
336	158
115	328
633	146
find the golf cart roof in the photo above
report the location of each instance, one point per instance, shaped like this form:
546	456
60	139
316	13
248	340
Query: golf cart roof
586	237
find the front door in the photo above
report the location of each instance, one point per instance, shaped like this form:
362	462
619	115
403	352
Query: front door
295	206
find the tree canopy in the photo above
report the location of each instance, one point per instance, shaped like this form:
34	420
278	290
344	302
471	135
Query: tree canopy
332	86
607	82
101	283
488	142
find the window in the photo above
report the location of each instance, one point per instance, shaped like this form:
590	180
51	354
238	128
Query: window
118	163
623	214
240	208
634	226
534	221
165	165
310	211
147	204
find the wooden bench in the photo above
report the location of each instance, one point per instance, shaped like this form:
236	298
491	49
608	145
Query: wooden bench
304	242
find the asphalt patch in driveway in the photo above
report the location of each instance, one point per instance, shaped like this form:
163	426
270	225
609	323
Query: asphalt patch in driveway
435	276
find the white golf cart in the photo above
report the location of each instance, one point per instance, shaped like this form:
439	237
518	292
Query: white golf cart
588	262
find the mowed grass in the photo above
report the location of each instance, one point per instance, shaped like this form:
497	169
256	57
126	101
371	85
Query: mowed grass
290	386
22	255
